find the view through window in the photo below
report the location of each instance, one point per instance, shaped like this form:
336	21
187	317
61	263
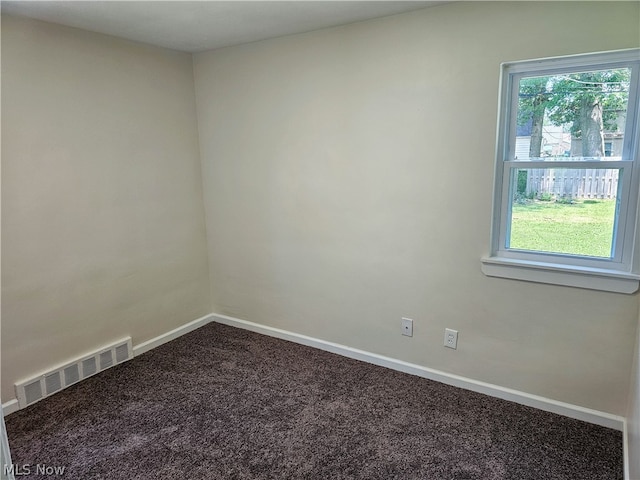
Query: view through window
578	117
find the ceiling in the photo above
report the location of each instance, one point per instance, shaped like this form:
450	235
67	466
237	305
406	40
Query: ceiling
194	26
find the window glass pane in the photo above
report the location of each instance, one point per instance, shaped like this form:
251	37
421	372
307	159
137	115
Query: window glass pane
565	211
574	115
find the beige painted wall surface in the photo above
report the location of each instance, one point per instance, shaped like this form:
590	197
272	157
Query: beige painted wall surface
103	230
348	177
633	413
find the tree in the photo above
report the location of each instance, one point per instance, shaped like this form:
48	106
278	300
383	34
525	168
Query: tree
533	104
585	102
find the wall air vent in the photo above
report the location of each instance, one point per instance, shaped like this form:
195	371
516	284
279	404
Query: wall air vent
52	381
89	366
32	392
72	374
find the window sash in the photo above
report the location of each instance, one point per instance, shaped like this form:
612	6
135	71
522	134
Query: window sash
618	260
516	72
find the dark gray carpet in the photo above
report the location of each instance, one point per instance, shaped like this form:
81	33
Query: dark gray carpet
223	403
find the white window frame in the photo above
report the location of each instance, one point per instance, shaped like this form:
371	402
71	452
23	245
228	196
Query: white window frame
621	273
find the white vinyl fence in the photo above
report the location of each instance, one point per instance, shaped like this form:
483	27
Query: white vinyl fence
573	183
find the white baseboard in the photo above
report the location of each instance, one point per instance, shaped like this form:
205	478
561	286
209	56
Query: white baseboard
171	335
573	411
13	404
10	407
523	398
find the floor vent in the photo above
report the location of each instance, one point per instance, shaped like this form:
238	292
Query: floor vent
48	383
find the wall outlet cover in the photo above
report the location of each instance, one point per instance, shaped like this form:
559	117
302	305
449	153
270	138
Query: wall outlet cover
450	338
407	327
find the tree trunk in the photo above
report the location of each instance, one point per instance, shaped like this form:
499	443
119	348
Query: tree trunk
536	130
591	125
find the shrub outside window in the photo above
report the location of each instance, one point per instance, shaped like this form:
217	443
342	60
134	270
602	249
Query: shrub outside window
566	179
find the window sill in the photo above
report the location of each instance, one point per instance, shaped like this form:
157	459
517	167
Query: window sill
557	274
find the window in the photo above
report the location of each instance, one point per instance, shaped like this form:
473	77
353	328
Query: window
607	149
567	174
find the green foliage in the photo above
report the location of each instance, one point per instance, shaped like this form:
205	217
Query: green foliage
563	97
522	182
545	197
570	93
581	228
533	98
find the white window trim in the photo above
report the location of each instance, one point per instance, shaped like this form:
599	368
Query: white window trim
619	274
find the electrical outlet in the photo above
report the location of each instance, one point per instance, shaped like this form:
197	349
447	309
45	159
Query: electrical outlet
450	338
407	327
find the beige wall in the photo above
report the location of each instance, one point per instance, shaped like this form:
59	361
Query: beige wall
348	178
633	413
102	218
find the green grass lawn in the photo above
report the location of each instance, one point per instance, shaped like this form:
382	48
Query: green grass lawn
581	228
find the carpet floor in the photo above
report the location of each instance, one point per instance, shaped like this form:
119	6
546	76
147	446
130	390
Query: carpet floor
224	403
